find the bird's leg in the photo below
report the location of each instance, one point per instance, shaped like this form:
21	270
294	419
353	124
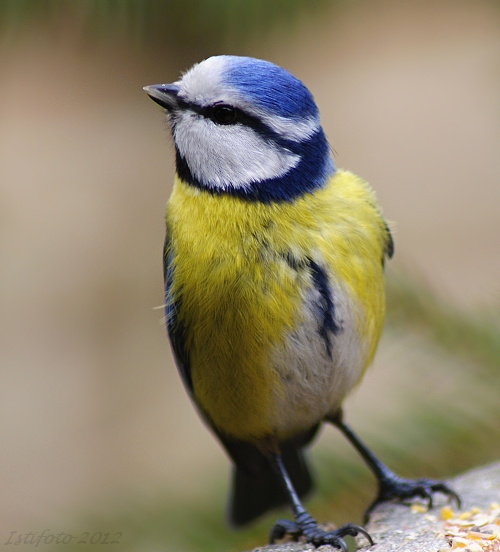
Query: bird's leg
391	485
303	523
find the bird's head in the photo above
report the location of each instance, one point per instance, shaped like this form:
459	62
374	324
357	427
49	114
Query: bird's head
246	127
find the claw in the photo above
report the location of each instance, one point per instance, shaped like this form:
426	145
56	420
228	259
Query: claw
393	487
308	527
442	488
283	527
352	530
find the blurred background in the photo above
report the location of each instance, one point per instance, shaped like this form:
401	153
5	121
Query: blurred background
98	437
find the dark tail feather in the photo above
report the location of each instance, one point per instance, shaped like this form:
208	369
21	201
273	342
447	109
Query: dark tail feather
253	495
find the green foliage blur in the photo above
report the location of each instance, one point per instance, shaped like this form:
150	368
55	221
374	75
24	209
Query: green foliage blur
187	25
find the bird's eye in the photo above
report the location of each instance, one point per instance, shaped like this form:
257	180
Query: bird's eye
224	114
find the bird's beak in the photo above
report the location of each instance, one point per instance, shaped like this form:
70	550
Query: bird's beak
164	94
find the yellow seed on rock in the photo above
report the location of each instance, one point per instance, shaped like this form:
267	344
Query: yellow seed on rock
446	512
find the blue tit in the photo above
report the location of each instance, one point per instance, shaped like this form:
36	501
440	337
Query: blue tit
274	293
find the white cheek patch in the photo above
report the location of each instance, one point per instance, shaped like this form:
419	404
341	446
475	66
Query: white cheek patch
228	156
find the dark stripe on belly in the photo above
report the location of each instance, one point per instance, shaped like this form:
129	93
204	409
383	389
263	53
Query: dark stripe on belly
328	325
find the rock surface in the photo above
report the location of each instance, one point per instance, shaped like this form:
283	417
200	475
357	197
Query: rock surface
400	528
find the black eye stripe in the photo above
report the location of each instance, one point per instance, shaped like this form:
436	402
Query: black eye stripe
213	112
242	118
224	114
208	112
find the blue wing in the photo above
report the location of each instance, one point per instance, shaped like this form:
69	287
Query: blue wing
389	242
174	326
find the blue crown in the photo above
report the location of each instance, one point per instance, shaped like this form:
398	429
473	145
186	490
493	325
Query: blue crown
270	87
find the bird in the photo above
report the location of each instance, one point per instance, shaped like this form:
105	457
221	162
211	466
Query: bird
274	284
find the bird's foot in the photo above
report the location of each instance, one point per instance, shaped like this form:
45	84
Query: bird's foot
395	488
304	525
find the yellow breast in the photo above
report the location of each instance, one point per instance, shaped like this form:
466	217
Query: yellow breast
238	295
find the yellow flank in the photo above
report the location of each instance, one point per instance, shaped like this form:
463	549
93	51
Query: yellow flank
237	296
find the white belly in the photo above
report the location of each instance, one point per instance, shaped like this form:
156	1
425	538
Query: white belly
315	377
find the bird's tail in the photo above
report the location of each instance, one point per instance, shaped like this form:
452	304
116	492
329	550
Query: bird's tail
254	494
